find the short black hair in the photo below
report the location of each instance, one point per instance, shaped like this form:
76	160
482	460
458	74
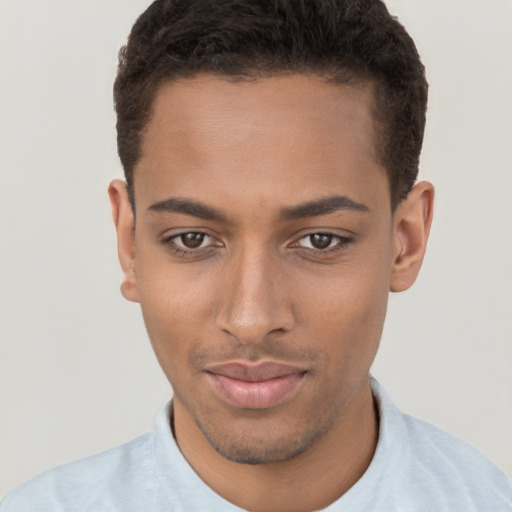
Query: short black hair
342	40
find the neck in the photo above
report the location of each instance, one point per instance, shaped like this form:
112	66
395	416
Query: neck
310	481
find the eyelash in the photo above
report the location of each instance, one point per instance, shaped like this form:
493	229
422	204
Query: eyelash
180	251
342	244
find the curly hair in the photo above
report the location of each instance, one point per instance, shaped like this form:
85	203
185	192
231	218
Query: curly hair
342	40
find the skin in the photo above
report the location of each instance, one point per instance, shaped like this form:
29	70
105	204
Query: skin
256	289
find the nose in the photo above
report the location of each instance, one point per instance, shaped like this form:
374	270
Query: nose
255	299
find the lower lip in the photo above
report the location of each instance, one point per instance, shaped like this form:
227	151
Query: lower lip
256	395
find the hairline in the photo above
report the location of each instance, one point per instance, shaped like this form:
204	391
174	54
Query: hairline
341	77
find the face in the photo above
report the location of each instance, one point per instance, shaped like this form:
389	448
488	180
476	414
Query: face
262	256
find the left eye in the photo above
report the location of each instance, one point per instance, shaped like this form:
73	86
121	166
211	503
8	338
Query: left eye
193	240
320	241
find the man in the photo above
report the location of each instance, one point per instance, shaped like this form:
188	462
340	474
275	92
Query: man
271	151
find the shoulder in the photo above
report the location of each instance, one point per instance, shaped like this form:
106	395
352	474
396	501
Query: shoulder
434	445
76	485
424	462
457	468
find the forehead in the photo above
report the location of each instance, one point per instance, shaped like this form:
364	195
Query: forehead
299	134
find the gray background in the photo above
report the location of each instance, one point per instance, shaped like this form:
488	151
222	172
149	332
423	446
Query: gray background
77	374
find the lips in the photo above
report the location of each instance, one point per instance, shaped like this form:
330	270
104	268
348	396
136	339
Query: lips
258	385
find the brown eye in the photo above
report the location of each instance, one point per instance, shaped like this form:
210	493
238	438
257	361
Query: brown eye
193	240
323	242
320	240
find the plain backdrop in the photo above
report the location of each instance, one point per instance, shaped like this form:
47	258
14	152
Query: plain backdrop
77	374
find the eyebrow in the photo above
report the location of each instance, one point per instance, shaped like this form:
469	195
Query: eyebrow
322	206
316	208
188	207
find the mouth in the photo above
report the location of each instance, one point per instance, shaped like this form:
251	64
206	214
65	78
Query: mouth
259	385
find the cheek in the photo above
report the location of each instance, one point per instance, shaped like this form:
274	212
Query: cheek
176	310
346	314
352	321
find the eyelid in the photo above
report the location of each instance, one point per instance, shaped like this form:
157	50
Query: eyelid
185	248
343	242
169	243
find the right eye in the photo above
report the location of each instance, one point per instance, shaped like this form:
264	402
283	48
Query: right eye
319	241
191	241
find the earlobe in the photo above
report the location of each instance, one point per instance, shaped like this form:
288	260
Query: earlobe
122	215
411	227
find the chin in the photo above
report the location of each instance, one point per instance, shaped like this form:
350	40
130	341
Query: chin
261	446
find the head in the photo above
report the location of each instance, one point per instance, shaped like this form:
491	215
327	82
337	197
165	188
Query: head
270	151
340	40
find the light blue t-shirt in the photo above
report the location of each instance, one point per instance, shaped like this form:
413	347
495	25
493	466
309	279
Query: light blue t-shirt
416	467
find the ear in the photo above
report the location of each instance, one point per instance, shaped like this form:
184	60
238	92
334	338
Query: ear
411	227
122	215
